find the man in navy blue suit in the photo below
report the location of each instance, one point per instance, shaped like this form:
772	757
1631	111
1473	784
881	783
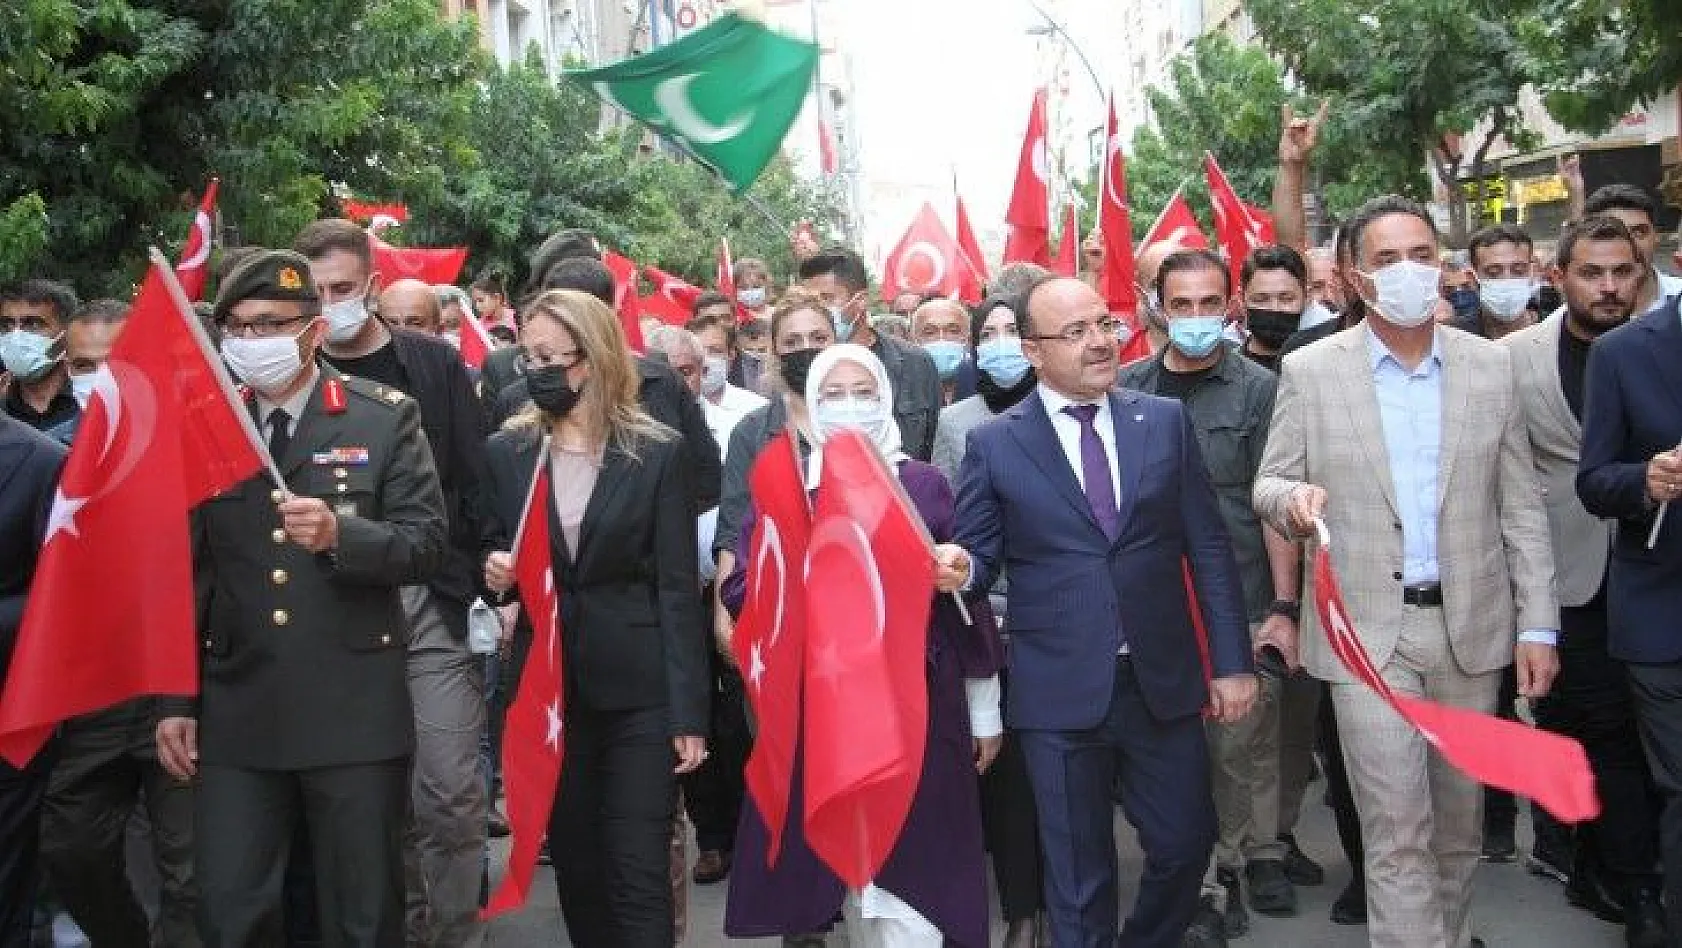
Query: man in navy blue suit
1096	501
1629	468
29	468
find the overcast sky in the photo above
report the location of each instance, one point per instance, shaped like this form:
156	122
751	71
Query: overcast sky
946	84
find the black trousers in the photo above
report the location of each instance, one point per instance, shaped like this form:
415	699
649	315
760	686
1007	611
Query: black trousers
611	826
246	822
1591	702
712	795
1012	832
1658	710
1338	794
108	765
21	795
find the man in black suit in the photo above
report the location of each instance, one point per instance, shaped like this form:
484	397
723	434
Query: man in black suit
446	838
304	711
29	468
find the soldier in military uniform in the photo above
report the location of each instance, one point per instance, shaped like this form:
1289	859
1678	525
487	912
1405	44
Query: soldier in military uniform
304	709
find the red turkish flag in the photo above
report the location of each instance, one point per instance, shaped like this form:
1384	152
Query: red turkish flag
533	739
870	586
476	343
1068	248
1176	224
926	259
194	266
375	214
770	640
624	272
724	279
1118	282
1030	222
1548	768
673	299
111	612
1264	223
1239	233
976	277
435	265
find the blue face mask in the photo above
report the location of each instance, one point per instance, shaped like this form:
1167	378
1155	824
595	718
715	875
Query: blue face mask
1195	336
947	356
27	355
1465	303
1001	359
843	326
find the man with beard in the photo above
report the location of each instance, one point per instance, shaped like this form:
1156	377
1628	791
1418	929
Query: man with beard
1600	272
1631	471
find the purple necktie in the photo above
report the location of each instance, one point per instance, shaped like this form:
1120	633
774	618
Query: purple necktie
1095	470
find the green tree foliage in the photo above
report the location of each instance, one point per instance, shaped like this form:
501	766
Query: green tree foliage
1410	77
115	113
1597	59
1227	99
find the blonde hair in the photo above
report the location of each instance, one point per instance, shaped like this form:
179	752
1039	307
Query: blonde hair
610	400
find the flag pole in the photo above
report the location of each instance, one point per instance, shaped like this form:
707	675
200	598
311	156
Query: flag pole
184	309
531	495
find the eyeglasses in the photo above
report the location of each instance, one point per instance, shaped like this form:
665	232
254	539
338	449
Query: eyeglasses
260	328
1079	332
35	324
538	360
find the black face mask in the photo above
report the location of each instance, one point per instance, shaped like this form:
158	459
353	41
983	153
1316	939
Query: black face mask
550	391
1272	327
796	366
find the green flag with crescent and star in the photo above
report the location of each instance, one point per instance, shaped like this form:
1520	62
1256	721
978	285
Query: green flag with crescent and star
728	91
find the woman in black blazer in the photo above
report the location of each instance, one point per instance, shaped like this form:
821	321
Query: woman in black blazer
622	531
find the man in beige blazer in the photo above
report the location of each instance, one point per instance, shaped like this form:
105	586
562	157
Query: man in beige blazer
1599	272
1406	438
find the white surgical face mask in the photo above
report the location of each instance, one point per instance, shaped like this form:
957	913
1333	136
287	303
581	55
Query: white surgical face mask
28	355
1407	292
81	386
752	297
345	319
1506	299
267	365
715	374
869	415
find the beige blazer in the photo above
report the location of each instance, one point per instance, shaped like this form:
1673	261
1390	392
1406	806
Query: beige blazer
1496	566
1582	539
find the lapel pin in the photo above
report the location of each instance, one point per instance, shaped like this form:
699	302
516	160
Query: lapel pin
1138	417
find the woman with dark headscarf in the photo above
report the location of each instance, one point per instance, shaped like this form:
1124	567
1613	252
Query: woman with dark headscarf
1003	378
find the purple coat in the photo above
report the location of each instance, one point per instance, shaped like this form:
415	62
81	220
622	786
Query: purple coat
938	864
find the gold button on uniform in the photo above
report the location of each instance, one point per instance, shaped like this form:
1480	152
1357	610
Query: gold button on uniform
279	577
340	472
385	640
276	496
279	535
342	487
281	617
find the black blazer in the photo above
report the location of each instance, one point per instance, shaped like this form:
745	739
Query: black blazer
631	620
29	468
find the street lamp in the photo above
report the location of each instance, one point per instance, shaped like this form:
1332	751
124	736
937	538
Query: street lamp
1053	28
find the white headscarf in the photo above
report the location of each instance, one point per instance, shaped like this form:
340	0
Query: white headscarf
885	436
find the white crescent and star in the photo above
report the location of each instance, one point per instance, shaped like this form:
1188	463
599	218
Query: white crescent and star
552	715
937	264
672	96
1041	164
140	410
1114	171
201	253
771	547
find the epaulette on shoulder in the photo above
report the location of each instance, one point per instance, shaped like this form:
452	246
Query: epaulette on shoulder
375	391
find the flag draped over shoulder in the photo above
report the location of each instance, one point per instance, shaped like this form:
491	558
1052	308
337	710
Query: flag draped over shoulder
728	91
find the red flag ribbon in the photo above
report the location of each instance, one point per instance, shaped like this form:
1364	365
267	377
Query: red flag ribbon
1551	769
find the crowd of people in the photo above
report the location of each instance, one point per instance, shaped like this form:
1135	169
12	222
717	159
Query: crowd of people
1121	614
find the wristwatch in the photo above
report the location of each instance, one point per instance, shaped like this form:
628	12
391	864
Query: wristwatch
1289	608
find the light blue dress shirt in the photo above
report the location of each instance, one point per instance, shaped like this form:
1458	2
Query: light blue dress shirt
1410	406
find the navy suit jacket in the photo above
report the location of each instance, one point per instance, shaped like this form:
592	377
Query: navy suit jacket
29	468
1633	410
1073	591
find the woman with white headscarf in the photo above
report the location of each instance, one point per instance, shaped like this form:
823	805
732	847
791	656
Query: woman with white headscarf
933	888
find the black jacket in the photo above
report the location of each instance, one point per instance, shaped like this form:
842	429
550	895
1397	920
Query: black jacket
29	468
631	619
667	400
454	422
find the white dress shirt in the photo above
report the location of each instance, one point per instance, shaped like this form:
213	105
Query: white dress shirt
723	416
1068	434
